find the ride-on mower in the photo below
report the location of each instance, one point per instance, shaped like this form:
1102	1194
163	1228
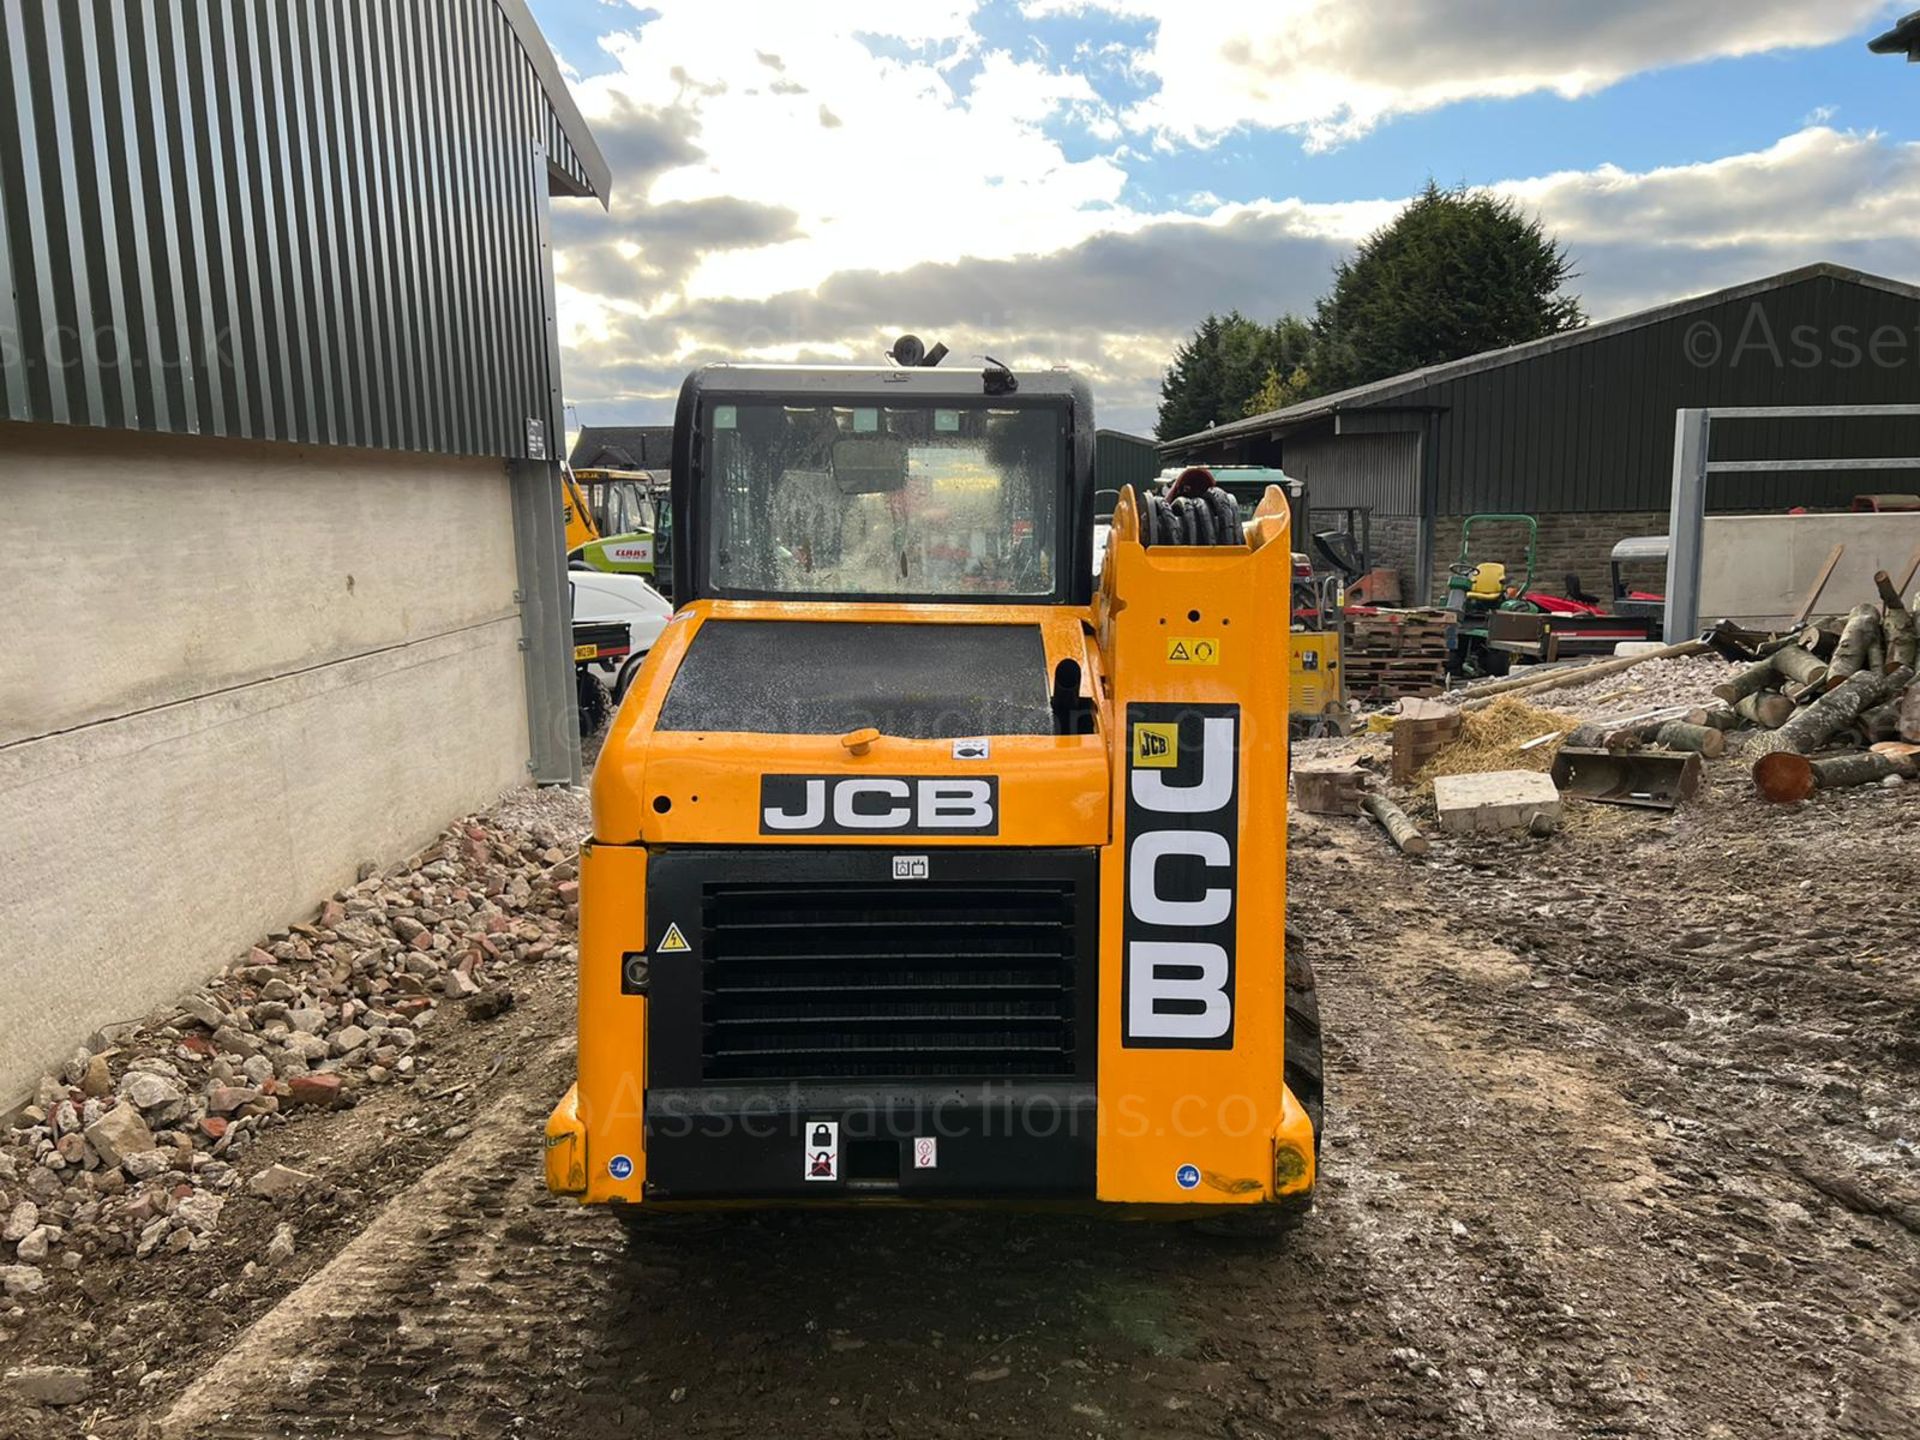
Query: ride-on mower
1496	623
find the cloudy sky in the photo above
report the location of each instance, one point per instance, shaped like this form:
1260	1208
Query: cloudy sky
1080	181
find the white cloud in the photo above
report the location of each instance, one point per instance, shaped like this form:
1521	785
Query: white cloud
881	161
1821	194
1333	69
1114	303
783	193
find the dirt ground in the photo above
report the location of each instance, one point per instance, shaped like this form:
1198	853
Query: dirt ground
1621	1142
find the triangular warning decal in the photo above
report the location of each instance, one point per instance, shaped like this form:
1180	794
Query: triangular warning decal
1178	652
673	942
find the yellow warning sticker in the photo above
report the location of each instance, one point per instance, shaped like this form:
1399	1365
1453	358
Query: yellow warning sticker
1156	747
673	942
1193	650
585	652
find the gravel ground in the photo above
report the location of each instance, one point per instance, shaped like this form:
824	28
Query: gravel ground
1621	1142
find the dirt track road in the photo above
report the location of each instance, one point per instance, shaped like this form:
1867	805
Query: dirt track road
1610	1152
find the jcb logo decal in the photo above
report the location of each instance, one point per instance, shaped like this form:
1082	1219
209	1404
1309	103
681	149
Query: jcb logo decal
1183	827
879	804
1156	747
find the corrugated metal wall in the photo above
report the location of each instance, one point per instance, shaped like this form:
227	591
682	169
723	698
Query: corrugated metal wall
1381	471
1590	427
308	220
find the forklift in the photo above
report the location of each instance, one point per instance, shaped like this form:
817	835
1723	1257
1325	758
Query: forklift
924	869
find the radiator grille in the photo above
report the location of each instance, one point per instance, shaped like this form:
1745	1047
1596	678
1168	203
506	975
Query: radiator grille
842	979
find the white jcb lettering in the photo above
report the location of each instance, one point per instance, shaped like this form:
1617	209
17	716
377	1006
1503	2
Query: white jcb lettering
1143	884
874	804
1214	788
955	804
848	791
1190	1003
810	815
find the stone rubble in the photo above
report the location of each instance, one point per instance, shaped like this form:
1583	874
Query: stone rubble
141	1140
50	1384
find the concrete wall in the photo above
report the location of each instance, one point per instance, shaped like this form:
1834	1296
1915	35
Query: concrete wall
1758	569
231	671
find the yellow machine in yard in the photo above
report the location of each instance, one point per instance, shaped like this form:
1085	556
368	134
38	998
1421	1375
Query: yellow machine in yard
922	871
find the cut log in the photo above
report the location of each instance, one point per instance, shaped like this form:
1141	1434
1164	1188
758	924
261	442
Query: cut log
1799	665
1630	735
1699	739
1762	675
1717	717
1785	777
1901	632
1910	716
1837	709
1397	823
1882	722
1851	655
1578	674
1769	709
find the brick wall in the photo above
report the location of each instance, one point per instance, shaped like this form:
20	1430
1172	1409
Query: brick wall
1572	542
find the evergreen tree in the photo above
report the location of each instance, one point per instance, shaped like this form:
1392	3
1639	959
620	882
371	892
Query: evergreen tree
1223	366
1456	273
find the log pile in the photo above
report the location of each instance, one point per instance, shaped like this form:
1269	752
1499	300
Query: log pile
1818	698
1819	706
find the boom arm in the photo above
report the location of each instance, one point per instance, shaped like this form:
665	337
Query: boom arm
581	529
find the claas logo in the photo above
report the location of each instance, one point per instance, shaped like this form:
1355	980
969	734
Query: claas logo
1156	747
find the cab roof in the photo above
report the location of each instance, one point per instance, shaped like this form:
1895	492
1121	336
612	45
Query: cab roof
879	381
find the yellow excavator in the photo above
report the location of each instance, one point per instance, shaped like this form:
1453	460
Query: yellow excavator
922	870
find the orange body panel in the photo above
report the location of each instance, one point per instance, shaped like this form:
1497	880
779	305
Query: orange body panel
1171	627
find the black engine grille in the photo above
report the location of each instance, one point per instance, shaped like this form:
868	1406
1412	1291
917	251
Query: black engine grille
842	978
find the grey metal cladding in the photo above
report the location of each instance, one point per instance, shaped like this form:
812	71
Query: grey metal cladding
306	220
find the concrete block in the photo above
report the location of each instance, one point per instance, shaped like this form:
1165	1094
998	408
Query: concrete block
1497	800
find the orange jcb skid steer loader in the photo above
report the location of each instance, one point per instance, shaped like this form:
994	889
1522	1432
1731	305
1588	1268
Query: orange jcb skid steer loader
921	872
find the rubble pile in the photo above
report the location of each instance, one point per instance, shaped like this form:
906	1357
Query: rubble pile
140	1141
